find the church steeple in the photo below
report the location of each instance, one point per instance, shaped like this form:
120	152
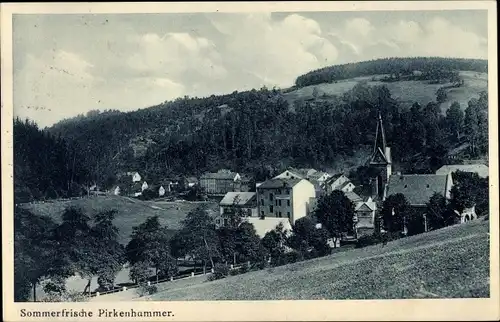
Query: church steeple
381	152
380	161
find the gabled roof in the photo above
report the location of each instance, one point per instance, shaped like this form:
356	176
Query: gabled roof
334	177
292	172
263	226
481	169
219	175
279	183
417	188
237	198
345	184
366	206
353	197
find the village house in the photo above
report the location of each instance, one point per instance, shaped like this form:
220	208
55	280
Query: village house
161	191
338	182
190	182
481	169
135	176
365	216
220	182
285	198
244	203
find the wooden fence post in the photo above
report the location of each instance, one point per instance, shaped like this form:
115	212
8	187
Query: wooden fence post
192	274
124	288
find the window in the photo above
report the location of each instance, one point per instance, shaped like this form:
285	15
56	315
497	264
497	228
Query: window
262	213
217	221
271	196
271	209
279	202
288	214
276	202
262	202
288	202
225	221
279	214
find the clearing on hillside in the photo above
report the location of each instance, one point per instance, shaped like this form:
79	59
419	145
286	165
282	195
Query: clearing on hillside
406	92
131	212
452	262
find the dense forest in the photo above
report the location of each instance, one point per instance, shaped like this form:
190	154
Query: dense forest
45	166
429	68
255	132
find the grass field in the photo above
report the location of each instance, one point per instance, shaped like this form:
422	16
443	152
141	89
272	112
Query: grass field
448	263
131	212
407	92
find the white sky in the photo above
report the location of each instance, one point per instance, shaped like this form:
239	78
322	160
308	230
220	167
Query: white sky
65	65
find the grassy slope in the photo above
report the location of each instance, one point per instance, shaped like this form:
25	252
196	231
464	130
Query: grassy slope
447	263
131	212
406	92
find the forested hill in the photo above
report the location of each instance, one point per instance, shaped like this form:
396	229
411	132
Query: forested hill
422	68
261	132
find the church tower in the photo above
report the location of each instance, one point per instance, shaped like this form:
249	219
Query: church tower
380	163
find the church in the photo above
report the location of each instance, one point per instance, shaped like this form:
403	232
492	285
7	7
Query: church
417	188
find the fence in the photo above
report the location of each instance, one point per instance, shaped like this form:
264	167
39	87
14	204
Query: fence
170	279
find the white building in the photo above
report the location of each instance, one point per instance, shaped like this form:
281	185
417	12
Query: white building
481	169
161	191
338	182
244	202
285	198
144	186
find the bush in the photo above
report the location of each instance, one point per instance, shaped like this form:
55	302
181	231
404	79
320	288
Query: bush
293	257
234	272
368	240
262	265
145	289
220	271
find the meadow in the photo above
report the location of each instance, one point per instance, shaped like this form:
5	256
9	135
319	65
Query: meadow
406	92
452	262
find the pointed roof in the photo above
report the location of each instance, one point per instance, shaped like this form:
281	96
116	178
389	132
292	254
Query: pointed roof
380	148
417	188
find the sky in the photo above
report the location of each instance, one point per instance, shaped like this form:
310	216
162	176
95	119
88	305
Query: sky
65	65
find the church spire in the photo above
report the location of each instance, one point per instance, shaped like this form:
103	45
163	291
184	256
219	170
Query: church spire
381	152
380	136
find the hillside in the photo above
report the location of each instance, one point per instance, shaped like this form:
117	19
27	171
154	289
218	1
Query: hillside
406	92
260	132
130	212
447	263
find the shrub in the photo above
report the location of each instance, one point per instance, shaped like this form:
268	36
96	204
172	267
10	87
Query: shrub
262	265
220	271
368	240
293	257
152	289
234	272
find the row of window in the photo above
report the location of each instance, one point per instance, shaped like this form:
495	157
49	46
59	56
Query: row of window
286	192
279	213
276	203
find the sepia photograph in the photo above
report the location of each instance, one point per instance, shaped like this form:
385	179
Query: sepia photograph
236	155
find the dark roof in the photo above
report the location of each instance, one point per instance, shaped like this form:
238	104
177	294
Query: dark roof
334	177
219	175
279	183
417	188
344	184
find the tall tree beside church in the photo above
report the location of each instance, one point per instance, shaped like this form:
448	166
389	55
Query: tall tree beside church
335	212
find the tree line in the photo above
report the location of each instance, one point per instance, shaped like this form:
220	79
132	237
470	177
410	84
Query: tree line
45	166
430	68
47	253
257	132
